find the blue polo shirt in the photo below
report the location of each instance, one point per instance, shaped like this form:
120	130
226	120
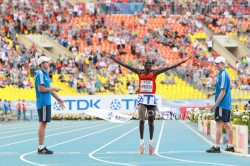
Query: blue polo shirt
42	98
223	82
5	106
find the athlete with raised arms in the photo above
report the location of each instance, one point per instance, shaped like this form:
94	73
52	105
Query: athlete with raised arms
146	97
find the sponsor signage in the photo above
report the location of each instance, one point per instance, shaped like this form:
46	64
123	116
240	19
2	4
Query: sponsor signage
118	103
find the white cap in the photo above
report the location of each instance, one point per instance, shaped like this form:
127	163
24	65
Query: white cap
42	59
220	59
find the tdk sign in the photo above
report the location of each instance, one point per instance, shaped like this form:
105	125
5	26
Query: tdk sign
82	104
117	103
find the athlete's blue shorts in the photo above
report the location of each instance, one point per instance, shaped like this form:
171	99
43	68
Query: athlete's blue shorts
44	113
222	114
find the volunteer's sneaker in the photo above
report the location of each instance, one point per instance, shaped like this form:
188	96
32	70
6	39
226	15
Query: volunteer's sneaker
142	147
213	150
150	148
230	149
44	151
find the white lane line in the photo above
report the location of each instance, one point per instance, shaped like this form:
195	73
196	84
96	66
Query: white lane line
46	131
14	143
211	144
17	129
176	159
29	124
136	152
121	152
165	163
182	152
56	153
67	153
110	162
8	153
159	139
25	128
22	157
15	125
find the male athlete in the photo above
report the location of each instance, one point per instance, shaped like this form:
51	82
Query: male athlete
146	98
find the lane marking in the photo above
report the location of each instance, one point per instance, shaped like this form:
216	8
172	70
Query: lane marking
46	131
173	152
14	143
176	159
136	152
27	128
170	162
8	153
56	153
111	162
67	153
22	157
211	143
29	123
121	152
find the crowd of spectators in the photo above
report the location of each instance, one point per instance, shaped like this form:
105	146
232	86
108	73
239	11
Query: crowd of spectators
53	18
193	6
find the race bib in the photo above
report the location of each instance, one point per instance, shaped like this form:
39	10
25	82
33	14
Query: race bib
146	86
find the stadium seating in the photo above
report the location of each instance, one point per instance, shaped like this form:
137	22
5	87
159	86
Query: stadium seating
180	90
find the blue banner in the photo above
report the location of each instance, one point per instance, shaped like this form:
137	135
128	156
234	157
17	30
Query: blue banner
122	8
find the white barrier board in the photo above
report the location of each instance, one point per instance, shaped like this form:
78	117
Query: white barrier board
117	103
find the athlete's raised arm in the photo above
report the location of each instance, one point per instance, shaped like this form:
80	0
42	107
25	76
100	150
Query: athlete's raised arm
162	70
110	56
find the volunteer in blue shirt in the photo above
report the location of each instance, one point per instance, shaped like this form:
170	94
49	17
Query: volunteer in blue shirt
5	107
43	103
222	106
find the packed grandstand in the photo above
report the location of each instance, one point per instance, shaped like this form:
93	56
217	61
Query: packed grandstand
165	31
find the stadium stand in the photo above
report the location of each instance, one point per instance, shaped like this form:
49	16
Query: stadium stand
154	32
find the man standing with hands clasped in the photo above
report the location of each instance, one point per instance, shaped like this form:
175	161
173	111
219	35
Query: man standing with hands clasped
43	103
222	106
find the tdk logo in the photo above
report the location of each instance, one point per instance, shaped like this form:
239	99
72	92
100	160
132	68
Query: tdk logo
78	104
115	105
84	104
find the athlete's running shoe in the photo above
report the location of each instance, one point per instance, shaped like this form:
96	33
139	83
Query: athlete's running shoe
44	151
230	149
142	147
213	150
150	148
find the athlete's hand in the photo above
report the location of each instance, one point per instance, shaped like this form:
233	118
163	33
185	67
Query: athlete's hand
212	108
56	89
61	103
